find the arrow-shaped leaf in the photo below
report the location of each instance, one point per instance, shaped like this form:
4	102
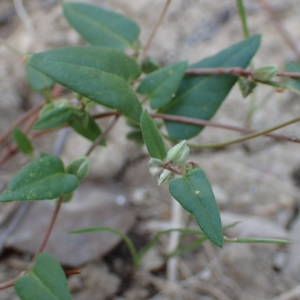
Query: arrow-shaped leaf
45	281
42	179
201	96
194	193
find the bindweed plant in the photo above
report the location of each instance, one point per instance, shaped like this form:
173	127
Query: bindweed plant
114	72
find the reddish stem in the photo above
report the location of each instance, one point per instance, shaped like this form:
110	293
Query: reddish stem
9	283
236	71
50	227
20	121
72	272
222	126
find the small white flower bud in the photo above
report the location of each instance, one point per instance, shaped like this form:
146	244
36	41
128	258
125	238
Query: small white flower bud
155	162
165	177
179	153
265	73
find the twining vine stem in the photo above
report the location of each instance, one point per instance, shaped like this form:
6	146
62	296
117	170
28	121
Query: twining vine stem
237	72
50	227
55	213
12	149
248	137
201	122
102	136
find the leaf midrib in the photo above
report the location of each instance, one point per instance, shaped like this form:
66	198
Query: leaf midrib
208	77
105	29
193	189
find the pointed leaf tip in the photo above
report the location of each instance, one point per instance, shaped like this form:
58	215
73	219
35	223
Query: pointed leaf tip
201	96
152	137
194	193
100	26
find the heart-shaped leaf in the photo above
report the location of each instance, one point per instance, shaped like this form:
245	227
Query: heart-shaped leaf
45	281
152	137
194	193
161	85
100	26
95	72
42	179
201	96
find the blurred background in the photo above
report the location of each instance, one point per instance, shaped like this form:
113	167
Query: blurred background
256	183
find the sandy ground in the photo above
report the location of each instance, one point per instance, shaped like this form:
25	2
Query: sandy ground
256	183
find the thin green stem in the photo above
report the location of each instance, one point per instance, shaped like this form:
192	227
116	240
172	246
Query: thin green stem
243	16
246	32
256	240
122	235
156	237
247	137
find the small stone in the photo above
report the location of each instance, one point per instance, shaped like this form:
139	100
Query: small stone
92	206
152	260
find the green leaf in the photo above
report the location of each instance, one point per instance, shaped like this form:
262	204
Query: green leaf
100	26
85	125
135	136
45	281
22	141
79	167
152	137
293	84
122	235
201	96
53	118
42	179
194	193
37	80
161	85
265	73
98	58
93	79
247	86
149	64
